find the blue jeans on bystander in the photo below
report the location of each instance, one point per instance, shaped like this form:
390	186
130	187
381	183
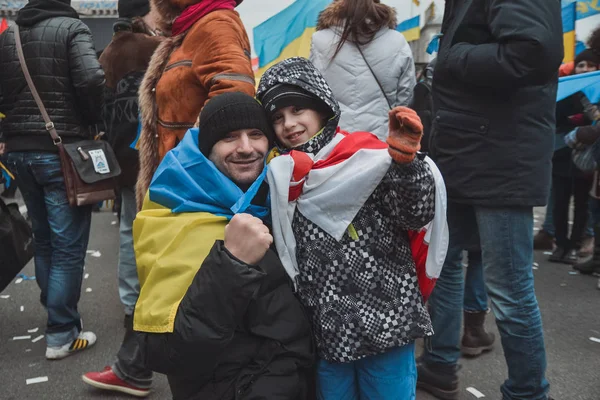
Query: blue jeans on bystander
506	239
61	235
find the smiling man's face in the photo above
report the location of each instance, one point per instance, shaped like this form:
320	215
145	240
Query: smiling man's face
240	156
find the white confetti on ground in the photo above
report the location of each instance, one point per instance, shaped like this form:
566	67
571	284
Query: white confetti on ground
563	284
5	296
475	392
19	280
573	273
535	267
39	379
96	254
113	223
536	264
22	308
86	276
88	290
34	330
547	253
27	350
26	337
37	339
594	339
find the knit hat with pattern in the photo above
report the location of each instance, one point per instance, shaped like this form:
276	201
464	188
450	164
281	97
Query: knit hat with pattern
230	112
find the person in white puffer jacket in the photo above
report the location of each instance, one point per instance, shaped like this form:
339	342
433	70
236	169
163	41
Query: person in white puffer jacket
344	30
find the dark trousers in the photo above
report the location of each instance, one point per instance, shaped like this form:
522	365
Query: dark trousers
129	365
563	189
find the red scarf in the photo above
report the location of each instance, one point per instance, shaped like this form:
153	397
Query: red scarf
190	15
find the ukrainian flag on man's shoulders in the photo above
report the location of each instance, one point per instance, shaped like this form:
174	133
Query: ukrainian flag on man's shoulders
287	34
187	207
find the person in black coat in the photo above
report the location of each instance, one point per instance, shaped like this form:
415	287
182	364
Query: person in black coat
494	94
59	52
239	332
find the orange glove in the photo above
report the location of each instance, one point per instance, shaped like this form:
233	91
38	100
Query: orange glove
405	133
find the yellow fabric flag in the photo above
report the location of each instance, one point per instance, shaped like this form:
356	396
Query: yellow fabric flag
169	250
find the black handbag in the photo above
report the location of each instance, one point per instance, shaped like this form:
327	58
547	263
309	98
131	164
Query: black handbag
16	243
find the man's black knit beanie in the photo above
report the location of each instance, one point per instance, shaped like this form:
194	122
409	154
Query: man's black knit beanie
230	112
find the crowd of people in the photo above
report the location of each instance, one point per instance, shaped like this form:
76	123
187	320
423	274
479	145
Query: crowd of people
287	238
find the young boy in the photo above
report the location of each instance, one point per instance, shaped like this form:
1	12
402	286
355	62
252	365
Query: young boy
345	207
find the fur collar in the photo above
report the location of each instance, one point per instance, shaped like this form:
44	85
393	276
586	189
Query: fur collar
329	17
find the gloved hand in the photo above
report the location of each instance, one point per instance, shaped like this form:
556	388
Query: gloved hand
405	133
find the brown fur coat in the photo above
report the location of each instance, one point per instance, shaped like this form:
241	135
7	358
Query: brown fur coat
186	71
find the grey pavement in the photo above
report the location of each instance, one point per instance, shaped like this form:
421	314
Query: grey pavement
570	306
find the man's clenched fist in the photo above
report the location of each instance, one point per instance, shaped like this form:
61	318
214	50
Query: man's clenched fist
405	133
247	238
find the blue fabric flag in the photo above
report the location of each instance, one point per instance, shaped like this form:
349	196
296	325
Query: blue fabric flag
187	181
434	44
588	83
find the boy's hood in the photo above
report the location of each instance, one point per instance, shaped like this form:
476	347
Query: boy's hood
300	72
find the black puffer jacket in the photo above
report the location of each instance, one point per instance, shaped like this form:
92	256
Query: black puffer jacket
61	58
239	333
494	93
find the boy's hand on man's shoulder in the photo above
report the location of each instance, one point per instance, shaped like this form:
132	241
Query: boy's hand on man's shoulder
247	238
405	133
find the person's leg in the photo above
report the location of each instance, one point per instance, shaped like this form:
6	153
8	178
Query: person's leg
562	188
548	225
391	375
336	381
446	301
437	367
507	247
475	299
476	339
581	189
33	195
129	285
70	228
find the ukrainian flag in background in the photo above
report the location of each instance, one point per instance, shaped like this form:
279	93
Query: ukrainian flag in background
587	8
287	34
568	19
411	28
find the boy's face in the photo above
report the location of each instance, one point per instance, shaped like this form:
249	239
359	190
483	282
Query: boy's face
585	66
295	126
241	155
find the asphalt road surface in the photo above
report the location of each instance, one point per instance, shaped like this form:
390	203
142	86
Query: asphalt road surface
570	307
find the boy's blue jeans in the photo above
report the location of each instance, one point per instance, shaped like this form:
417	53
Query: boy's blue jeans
391	375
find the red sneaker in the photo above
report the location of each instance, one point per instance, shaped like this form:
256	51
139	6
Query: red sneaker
107	380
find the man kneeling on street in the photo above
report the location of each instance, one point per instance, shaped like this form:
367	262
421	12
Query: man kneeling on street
216	311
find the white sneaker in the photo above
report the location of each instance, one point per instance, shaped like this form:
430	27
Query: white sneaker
84	341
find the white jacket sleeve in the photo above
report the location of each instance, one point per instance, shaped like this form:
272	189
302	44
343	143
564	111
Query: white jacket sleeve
407	79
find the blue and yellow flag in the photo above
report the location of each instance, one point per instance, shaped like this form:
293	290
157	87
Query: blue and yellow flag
568	20
187	207
287	34
588	83
587	8
411	28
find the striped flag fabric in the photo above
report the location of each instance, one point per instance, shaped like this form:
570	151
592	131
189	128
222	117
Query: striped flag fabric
287	33
411	28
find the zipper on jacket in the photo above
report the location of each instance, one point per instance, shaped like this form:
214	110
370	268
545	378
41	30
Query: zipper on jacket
182	63
233	77
176	125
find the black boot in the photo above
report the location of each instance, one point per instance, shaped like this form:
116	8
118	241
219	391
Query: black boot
593	264
475	338
438	379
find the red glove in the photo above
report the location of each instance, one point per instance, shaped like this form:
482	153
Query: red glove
405	133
